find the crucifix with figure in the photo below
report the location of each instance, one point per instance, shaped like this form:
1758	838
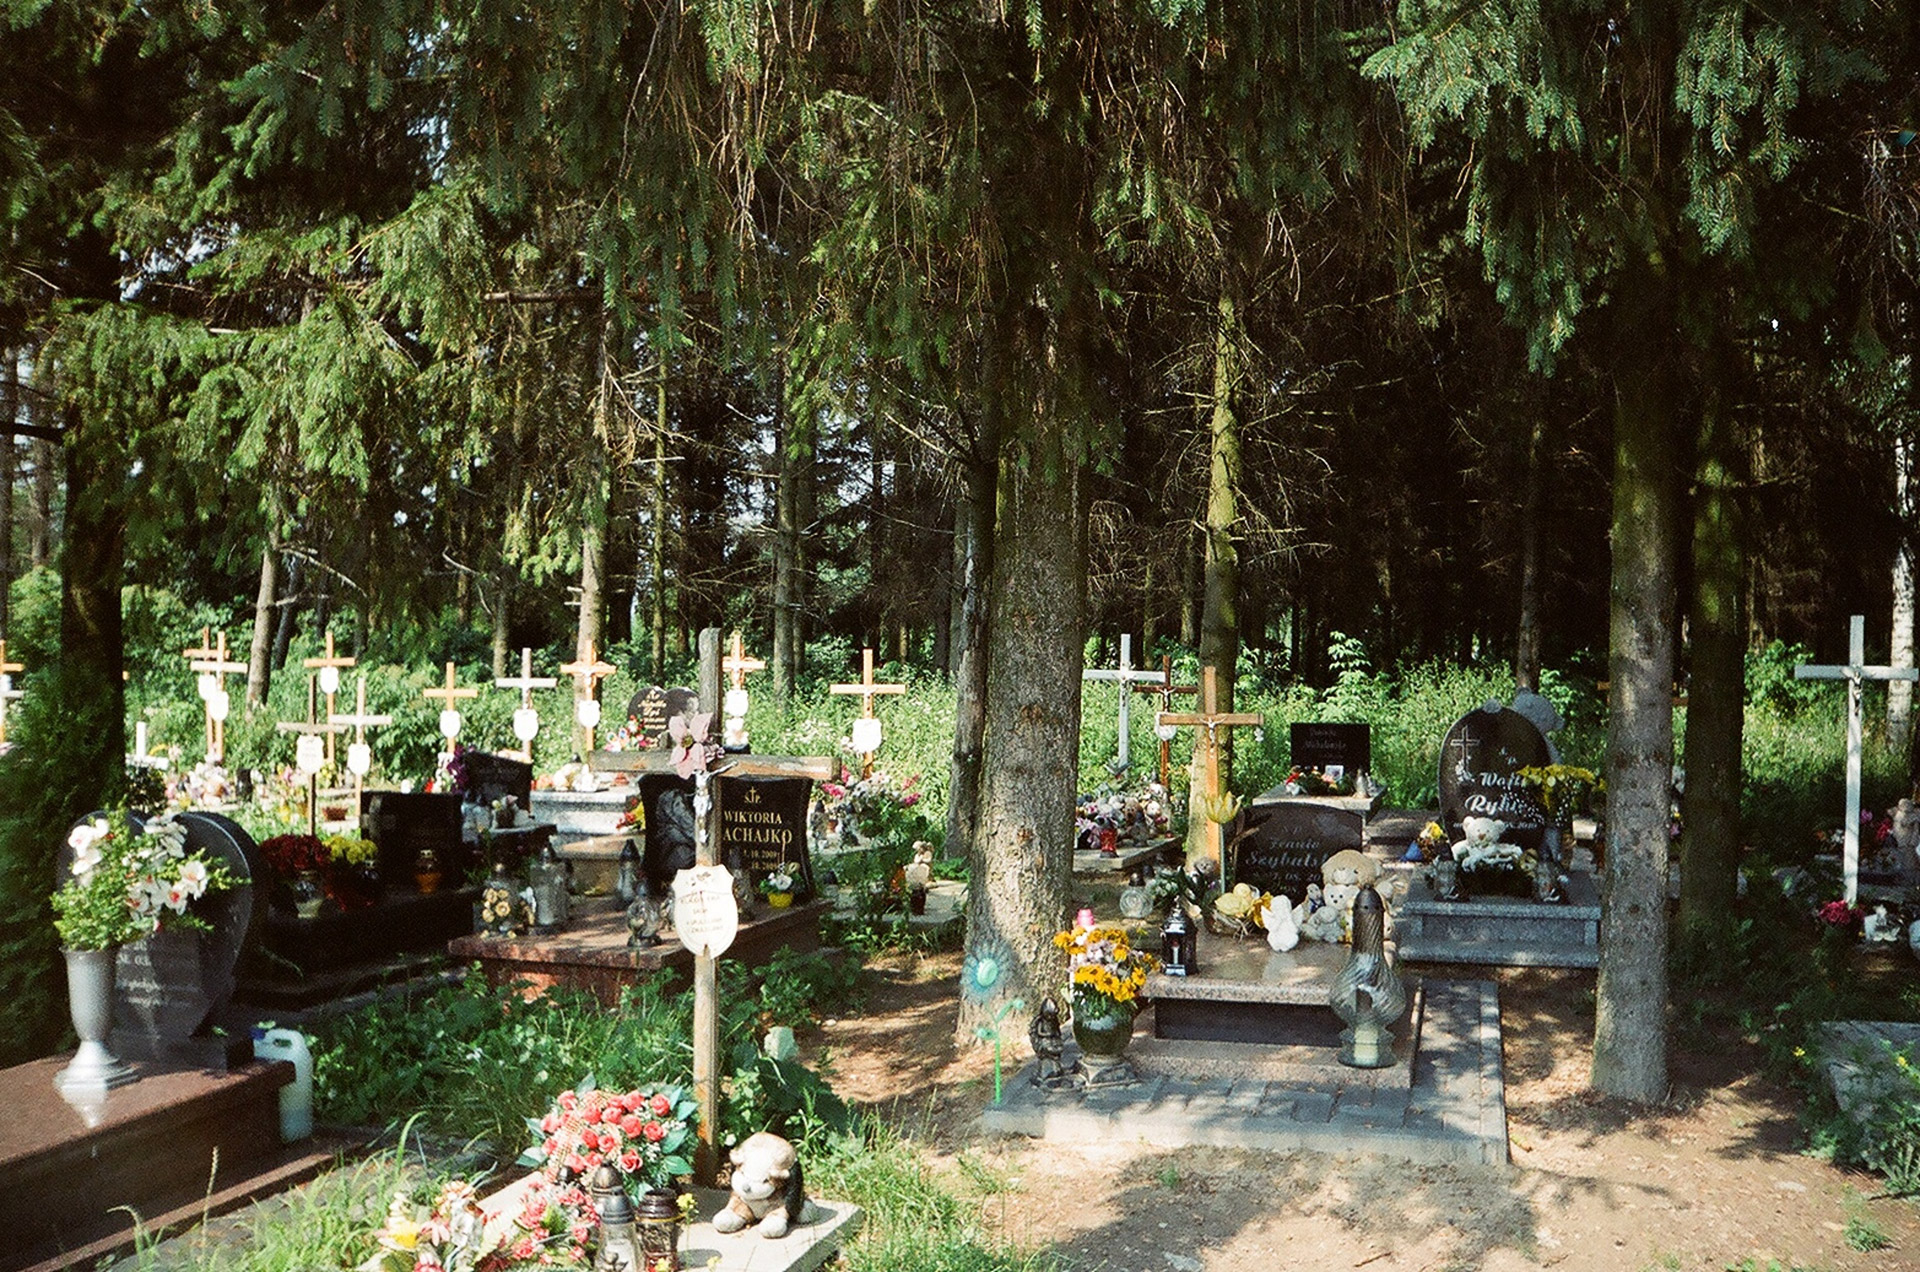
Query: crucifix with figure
526	721
8	693
866	729
1129	678
449	714
733	707
1165	689
1856	674
587	674
1207	777
329	665
310	751
359	755
214	667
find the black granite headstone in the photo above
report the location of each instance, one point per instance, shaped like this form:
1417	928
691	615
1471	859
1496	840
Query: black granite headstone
491	776
763	826
171	989
652	707
1480	759
1286	844
1324	745
402	823
668	803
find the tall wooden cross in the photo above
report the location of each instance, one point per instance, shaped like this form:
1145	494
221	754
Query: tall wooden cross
312	726
706	1002
733	708
1207	777
329	665
1128	677
526	682
450	714
1165	688
587	674
736	664
7	692
868	690
215	662
1855	673
359	758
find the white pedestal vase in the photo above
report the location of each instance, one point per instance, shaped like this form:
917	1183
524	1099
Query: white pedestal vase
90	999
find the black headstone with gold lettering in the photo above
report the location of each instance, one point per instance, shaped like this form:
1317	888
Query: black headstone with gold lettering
763	827
1284	845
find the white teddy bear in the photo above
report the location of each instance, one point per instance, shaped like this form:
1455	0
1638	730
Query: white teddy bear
1482	846
767	1188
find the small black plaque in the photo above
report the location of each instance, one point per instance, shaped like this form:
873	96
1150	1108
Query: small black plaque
1321	745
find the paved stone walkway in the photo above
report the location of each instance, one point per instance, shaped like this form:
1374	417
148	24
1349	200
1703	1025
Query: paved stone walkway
1453	1111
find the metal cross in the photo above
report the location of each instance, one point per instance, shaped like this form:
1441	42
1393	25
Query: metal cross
1126	676
1855	673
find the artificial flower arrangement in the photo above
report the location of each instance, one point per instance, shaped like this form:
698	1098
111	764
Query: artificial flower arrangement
1104	972
867	806
1311	781
1430	842
291	855
780	880
1243	909
1563	789
350	850
129	881
646	1134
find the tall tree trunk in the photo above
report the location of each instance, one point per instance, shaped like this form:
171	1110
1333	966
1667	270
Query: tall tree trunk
1526	645
260	651
973	568
1022	854
589	627
502	622
1900	653
1716	687
657	617
46	474
795	464
1630	1027
1220	616
9	412
92	562
284	621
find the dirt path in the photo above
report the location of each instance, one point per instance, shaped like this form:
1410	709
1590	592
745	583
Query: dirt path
1713	1177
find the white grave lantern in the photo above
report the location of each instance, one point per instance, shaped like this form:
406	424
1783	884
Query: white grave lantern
587	712
359	759
736	703
310	753
449	724
526	723
866	735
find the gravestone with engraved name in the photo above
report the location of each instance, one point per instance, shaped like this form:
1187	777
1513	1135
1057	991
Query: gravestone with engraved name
1326	745
763	826
653	706
491	776
667	803
1480	760
1285	845
171	989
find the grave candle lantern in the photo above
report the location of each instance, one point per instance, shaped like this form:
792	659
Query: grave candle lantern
618	1251
643	916
1367	993
657	1231
626	879
548	879
1177	944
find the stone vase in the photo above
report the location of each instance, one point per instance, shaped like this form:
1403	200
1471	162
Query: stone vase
1104	1030
90	1000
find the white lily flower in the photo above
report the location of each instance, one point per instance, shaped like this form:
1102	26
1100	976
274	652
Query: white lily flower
193	879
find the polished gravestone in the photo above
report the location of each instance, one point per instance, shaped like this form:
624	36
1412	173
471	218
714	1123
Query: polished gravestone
1282	847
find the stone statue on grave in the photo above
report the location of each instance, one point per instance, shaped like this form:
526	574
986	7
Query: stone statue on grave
1048	1042
1543	715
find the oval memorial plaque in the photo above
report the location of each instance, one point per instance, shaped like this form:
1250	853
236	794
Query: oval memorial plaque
705	916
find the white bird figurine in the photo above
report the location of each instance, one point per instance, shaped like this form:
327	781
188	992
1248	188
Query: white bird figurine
1282	935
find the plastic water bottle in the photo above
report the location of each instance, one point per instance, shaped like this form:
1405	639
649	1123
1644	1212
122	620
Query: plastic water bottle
296	1098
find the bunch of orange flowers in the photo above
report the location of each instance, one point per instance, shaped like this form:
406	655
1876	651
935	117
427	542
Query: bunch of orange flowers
1100	960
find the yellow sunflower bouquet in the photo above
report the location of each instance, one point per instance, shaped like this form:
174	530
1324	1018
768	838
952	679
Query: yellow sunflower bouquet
1104	972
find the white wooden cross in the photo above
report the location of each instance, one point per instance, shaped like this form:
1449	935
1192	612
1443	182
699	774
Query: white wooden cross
215	663
1127	676
1854	673
867	690
359	758
526	721
313	726
7	692
329	665
449	714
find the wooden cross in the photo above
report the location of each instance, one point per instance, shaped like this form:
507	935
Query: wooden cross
216	663
1165	688
359	720
448	696
587	674
7	692
312	725
1208	722
736	664
339	664
1855	674
867	690
1127	676
526	682
706	1012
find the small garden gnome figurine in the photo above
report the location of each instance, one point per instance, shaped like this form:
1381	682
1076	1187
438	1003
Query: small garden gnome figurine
1044	1033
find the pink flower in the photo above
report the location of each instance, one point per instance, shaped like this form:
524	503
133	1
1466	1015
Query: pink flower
910	799
630	1161
661	1105
631	1125
654	1132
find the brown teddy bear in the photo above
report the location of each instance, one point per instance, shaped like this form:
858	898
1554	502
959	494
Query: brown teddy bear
768	1189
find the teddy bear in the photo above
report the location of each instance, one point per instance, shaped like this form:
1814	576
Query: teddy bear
1341	877
768	1189
1482	845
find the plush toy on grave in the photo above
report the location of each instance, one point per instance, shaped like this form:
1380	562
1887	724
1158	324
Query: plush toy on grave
573	776
1482	846
768	1190
1241	910
1328	910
